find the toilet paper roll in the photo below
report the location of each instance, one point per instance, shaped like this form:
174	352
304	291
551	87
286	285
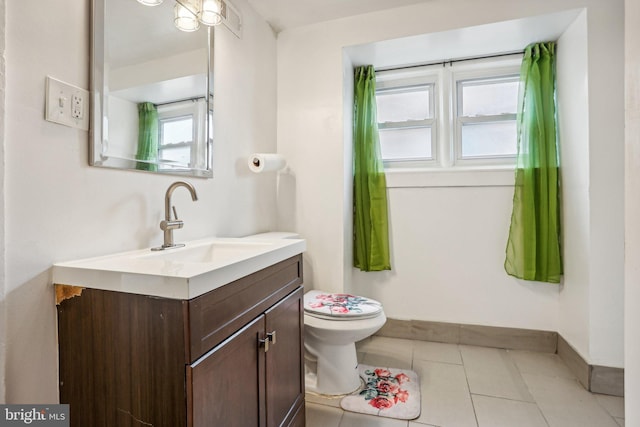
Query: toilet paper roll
266	162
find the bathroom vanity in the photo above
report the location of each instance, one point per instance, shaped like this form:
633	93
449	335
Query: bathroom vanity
228	356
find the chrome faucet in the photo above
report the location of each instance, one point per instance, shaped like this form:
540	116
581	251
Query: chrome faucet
168	225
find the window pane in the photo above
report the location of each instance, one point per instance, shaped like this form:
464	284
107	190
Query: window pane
179	155
174	131
488	97
406	144
406	104
489	139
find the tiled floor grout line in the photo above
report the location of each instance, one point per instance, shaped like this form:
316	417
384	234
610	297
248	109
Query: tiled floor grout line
544	417
513	400
440	361
515	363
520	373
503	398
516	374
607	411
413	358
466	377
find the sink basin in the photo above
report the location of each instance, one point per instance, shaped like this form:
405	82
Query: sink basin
182	273
216	252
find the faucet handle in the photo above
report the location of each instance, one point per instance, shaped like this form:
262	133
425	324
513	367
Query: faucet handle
171	225
175	213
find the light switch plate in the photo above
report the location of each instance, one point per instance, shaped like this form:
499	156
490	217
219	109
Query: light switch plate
66	104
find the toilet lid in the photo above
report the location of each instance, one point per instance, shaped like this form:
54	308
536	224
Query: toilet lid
340	306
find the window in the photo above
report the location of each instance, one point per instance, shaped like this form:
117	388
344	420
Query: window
486	117
406	122
448	115
176	140
179	125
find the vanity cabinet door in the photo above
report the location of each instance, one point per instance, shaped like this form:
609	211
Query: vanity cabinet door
226	385
122	359
244	382
284	362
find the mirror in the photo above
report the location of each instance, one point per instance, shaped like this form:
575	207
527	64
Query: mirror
151	87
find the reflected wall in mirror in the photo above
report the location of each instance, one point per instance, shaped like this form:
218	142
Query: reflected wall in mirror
151	90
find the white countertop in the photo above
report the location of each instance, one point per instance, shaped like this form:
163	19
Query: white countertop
181	273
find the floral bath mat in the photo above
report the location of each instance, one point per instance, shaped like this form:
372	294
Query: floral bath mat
387	392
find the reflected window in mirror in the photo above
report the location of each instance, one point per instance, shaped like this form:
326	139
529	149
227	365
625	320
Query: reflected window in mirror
181	126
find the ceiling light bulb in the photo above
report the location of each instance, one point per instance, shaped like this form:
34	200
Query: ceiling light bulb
150	2
185	17
210	13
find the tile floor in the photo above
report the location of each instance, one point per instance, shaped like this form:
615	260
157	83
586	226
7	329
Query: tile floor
466	386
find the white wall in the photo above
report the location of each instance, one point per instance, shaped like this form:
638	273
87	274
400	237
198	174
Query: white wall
58	208
573	103
606	184
448	243
3	306
632	213
448	248
125	114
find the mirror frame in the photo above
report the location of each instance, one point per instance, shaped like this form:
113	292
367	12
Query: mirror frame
99	121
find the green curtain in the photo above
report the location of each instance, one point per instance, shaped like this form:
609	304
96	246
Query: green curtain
533	249
147	136
370	228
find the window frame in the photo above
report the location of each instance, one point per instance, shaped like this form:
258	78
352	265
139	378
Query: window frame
479	72
191	108
167	147
446	131
405	79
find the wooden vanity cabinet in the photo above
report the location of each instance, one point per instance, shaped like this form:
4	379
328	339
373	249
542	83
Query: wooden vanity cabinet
232	357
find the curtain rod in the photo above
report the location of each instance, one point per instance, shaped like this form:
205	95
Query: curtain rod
182	100
450	61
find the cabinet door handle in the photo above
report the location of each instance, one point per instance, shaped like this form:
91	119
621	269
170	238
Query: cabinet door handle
271	336
264	342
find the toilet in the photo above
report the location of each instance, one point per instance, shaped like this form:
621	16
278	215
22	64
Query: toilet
333	323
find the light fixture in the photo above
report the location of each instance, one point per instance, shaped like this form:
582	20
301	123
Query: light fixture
188	14
210	12
150	2
185	15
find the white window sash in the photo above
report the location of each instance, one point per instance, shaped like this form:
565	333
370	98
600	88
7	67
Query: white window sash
445	125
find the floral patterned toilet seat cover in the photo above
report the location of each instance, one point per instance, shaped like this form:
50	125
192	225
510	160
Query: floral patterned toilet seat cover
340	306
